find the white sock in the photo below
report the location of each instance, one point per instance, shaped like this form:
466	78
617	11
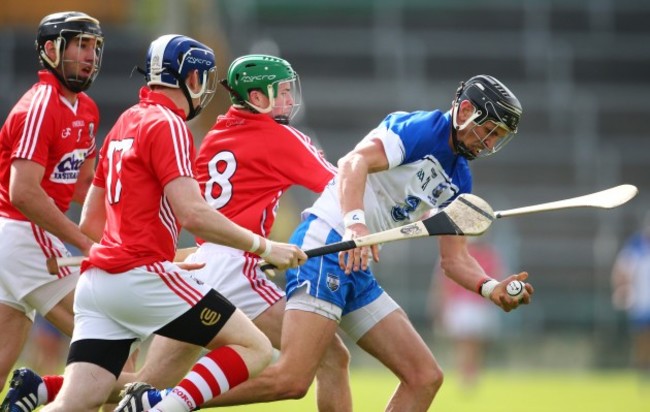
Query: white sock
42	393
170	404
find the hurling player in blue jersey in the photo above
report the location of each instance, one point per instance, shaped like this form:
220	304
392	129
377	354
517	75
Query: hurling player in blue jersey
408	167
411	165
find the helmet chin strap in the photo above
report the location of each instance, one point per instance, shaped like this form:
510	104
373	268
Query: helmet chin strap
459	146
194	111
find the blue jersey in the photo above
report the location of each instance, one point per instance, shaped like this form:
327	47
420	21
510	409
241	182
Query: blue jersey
423	173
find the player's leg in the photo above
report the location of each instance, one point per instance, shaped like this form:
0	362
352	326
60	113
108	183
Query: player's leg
127	375
238	352
26	287
15	325
101	343
333	391
233	273
332	377
62	315
309	327
93	367
306	337
27	389
166	363
394	342
237	276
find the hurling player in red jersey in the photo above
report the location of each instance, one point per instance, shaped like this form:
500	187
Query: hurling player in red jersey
144	191
47	151
250	157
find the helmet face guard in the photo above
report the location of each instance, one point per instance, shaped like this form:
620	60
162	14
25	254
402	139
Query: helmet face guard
272	76
67	31
171	58
284	99
495	105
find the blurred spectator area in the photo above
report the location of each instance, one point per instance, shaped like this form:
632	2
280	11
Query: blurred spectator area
20	13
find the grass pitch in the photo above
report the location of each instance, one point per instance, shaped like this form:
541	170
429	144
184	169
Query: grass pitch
497	391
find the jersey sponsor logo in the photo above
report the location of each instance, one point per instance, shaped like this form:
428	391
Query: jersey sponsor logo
209	317
257	78
67	170
333	282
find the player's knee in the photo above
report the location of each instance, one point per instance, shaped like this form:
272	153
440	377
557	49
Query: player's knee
337	357
296	388
429	378
287	384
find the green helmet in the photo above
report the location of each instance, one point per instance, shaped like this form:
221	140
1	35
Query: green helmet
264	73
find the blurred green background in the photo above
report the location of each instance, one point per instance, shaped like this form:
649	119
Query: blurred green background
580	69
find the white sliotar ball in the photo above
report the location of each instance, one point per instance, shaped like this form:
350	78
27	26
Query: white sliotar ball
515	288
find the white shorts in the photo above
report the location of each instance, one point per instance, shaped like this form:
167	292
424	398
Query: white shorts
25	284
469	318
133	304
237	276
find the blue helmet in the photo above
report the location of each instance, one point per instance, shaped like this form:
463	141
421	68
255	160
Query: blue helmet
172	57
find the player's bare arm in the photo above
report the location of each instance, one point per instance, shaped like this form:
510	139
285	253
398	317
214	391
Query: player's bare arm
367	157
28	196
93	213
85	179
459	265
195	215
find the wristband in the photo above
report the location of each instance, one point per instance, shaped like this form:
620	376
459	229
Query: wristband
267	249
487	287
256	244
353	217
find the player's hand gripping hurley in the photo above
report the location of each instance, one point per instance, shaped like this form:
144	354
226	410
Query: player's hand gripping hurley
469	215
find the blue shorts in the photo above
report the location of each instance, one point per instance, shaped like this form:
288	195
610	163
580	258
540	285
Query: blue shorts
323	277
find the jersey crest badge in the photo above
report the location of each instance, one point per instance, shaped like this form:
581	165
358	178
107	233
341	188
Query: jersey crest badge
333	282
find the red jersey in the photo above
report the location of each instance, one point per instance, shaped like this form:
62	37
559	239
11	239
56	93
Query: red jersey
45	128
149	146
247	161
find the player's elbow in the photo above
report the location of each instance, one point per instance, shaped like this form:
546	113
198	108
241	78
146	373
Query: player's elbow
191	217
20	199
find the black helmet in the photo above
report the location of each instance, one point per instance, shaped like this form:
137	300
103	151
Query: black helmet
492	101
61	28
